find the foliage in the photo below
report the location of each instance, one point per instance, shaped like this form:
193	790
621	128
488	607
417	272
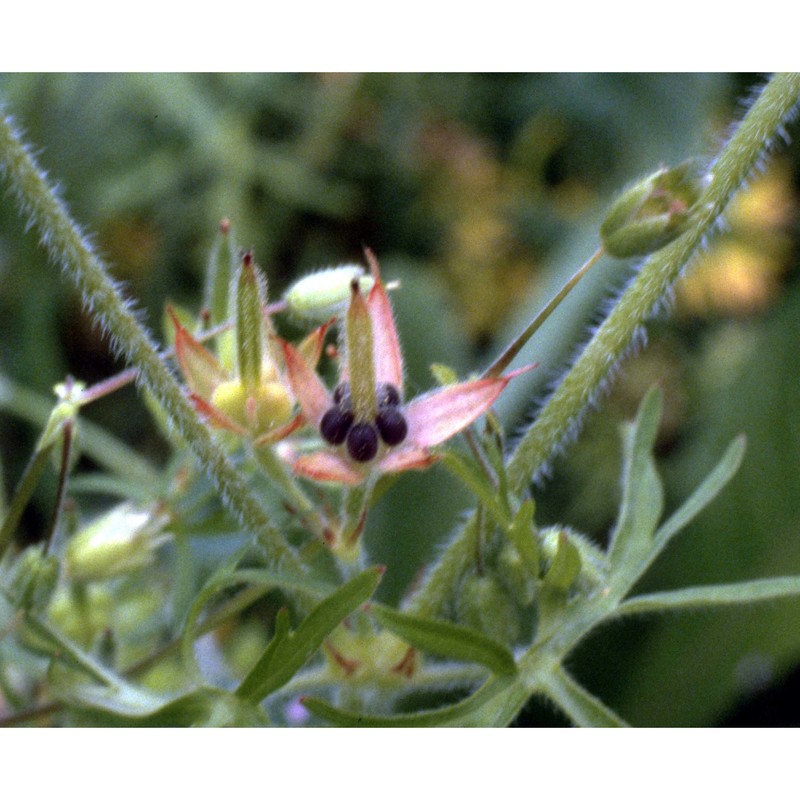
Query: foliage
209	556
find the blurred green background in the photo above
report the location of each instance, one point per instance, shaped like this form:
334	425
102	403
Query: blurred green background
480	193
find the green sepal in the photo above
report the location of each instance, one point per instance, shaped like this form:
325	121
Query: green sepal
289	650
653	212
173	312
522	534
221	261
565	566
447	640
250	297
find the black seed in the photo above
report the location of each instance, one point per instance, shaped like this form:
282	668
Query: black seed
392	426
387	395
335	424
341	394
362	442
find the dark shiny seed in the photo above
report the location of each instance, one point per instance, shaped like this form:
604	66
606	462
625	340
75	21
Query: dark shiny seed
362	442
342	393
392	426
387	395
335	424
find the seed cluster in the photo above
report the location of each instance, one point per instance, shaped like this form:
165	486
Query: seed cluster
338	424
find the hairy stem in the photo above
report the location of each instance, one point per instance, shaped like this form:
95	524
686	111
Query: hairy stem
739	158
71	250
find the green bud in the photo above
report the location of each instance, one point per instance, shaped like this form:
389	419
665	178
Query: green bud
483	604
562	559
325	294
522	534
34	578
650	214
513	572
122	540
81	614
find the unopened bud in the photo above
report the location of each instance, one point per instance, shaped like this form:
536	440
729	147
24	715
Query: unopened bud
483	604
34	578
653	212
562	559
122	540
325	294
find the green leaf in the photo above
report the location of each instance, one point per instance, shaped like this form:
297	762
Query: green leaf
582	707
129	706
23	492
496	704
226	576
447	639
716	595
642	493
711	486
287	652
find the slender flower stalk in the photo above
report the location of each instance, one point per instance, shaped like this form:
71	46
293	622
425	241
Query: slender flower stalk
739	158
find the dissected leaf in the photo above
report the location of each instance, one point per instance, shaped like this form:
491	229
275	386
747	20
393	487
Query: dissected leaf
125	705
447	639
582	707
714	595
496	704
642	492
288	651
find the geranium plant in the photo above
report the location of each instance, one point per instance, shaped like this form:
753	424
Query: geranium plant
292	439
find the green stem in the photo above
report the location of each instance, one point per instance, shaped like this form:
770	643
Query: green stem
739	158
613	340
68	248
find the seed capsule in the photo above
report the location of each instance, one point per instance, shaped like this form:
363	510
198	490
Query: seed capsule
392	425
335	425
362	442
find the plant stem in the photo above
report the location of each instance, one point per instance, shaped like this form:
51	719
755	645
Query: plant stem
739	158
72	251
613	340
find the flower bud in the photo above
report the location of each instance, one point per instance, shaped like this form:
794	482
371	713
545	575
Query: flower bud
650	214
514	574
325	294
483	604
34	578
122	540
562	559
259	410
